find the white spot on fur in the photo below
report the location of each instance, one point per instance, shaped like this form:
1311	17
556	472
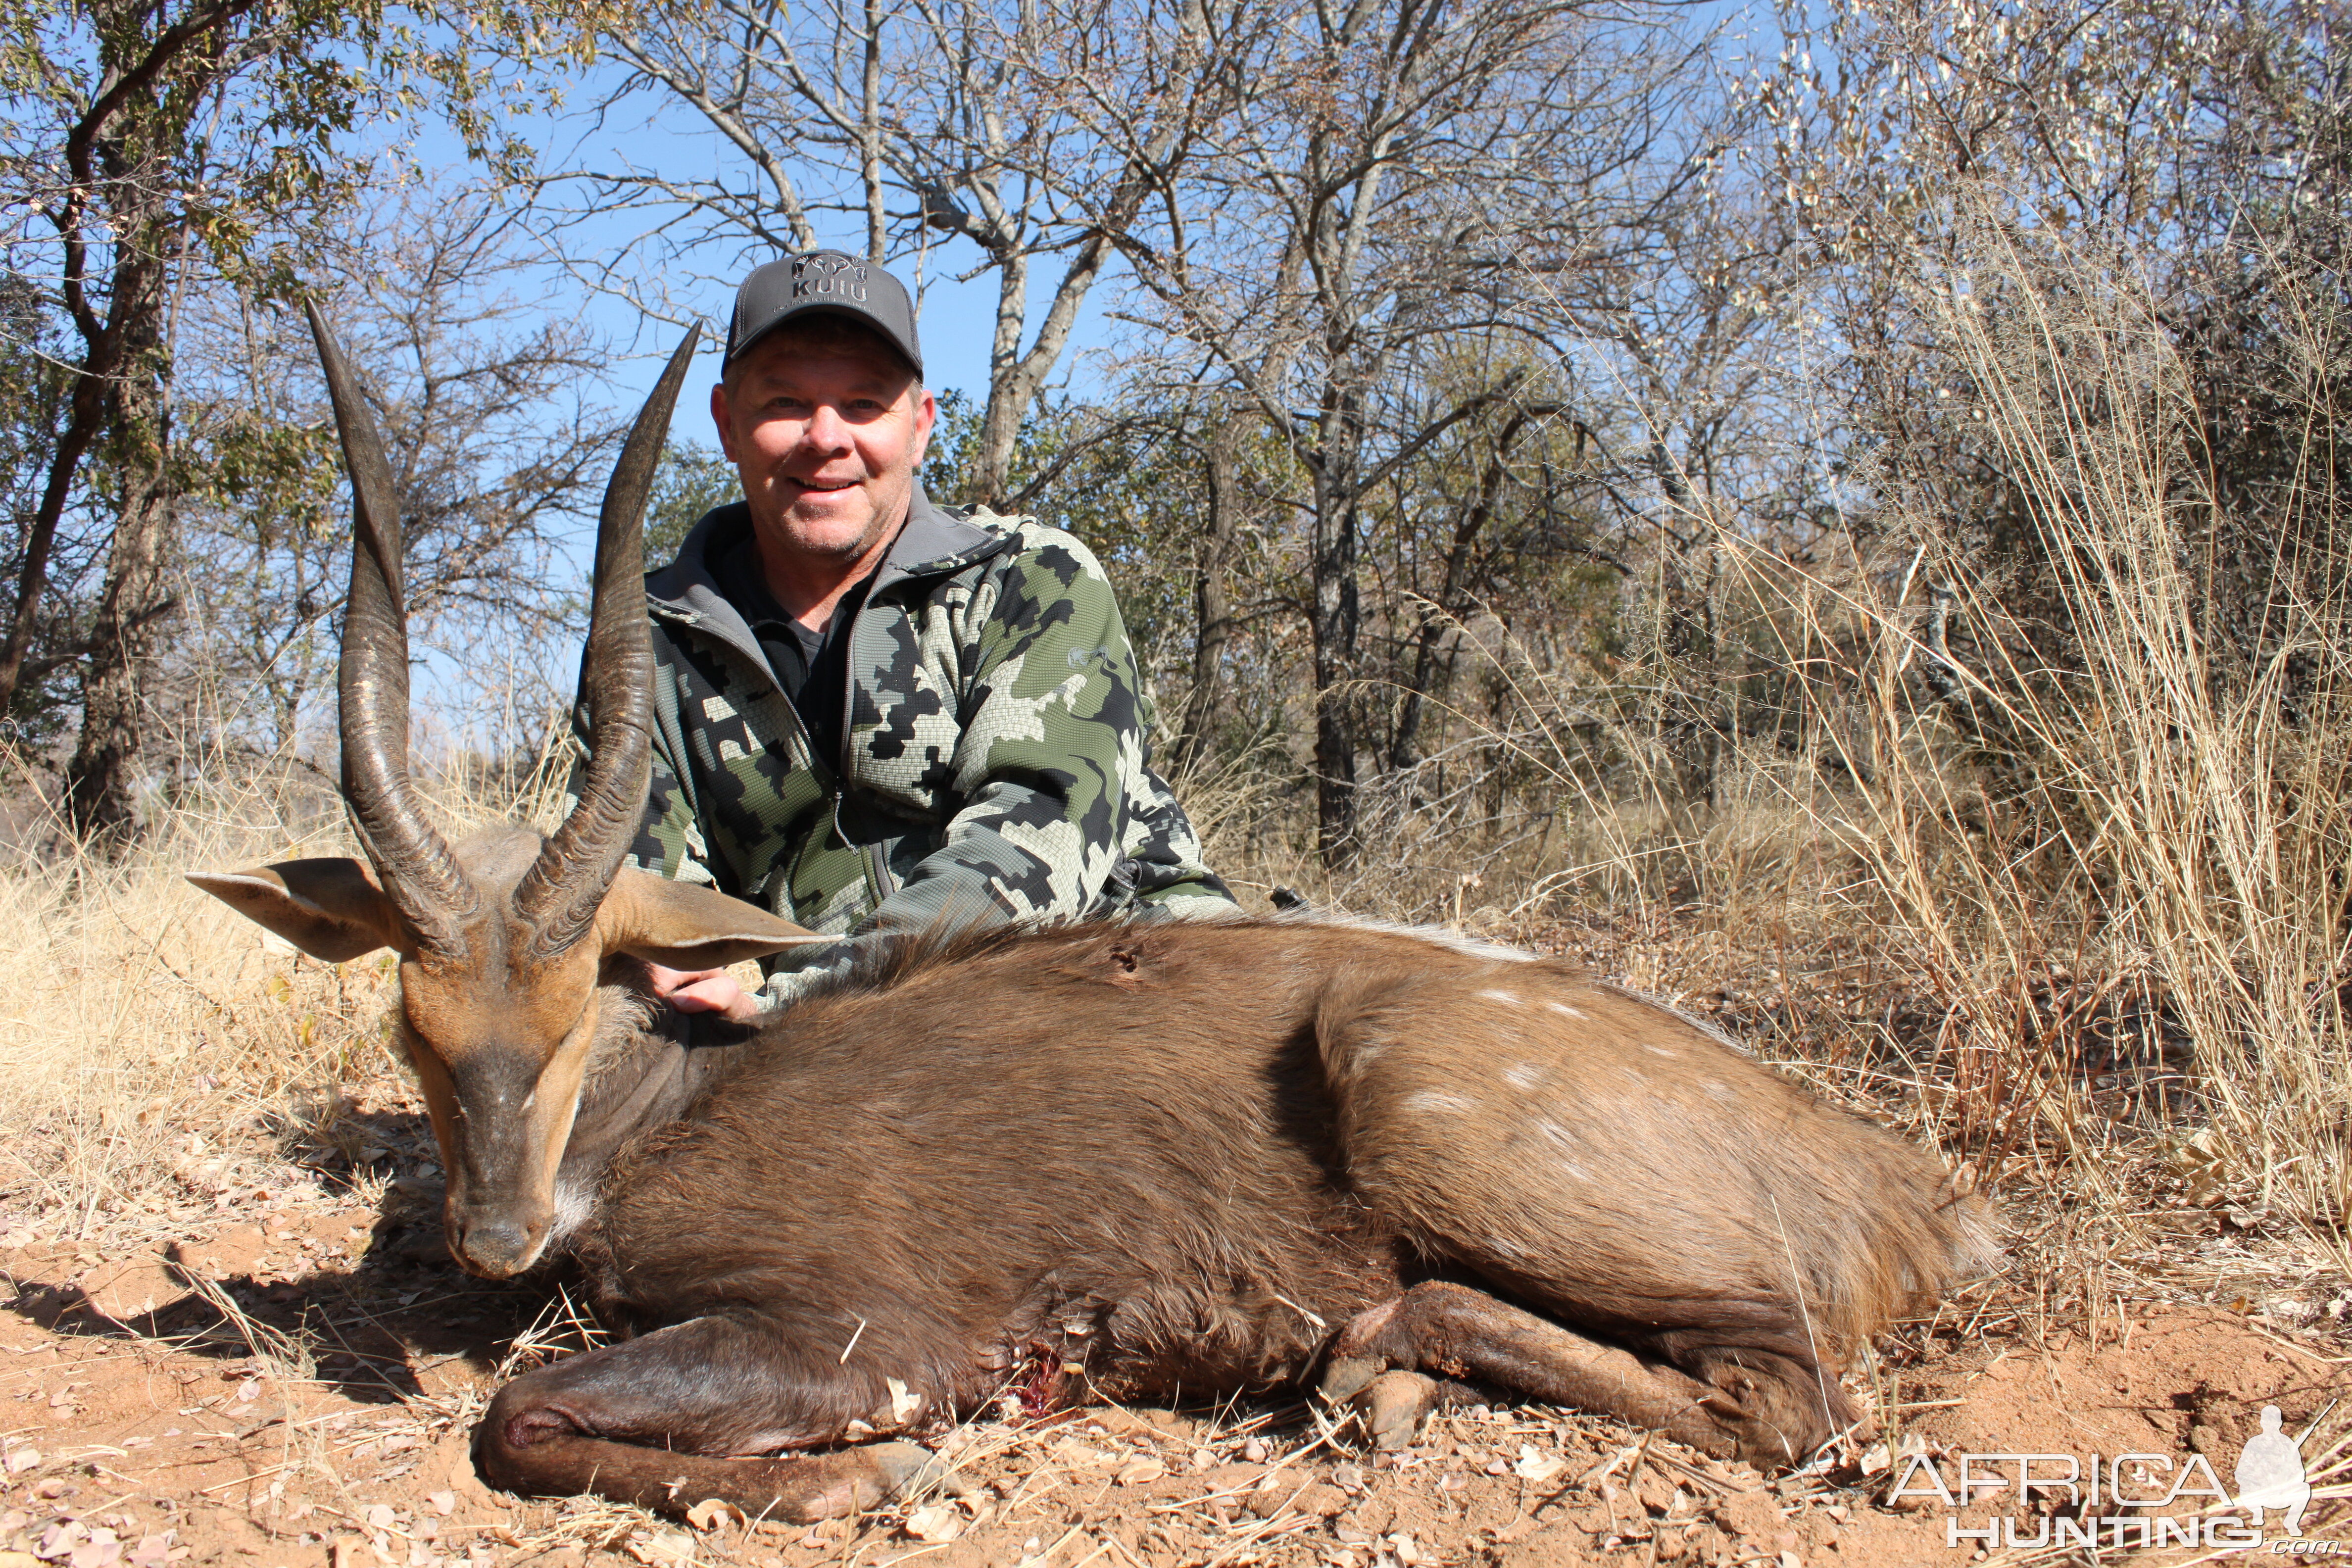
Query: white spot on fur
1523	1075
1434	1099
1505	1246
1508	998
1564	1007
1661	1051
1557	1133
574	1201
1366	1054
1720	1089
1574	1172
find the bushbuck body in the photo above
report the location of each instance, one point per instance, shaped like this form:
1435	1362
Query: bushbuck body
1103	1158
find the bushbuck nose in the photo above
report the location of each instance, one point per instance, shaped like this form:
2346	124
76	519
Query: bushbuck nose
498	1245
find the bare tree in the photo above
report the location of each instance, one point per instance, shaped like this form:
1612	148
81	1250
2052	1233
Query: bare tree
1035	132
145	148
487	395
1365	216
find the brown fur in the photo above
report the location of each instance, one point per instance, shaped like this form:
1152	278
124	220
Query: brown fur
1177	1155
1132	1160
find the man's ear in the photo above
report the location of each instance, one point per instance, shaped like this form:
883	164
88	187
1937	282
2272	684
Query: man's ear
331	909
683	925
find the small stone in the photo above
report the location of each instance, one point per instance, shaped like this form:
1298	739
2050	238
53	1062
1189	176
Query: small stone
1140	1471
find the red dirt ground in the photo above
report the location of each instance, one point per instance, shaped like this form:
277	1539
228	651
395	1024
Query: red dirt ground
151	1417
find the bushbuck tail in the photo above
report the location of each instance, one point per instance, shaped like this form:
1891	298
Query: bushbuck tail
1105	1160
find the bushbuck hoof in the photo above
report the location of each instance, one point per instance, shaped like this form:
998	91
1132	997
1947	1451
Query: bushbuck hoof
1355	1358
1393	1406
1347	1376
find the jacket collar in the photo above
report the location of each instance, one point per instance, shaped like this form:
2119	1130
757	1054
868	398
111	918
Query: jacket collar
933	543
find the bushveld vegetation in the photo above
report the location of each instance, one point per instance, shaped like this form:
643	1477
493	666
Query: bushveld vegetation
1850	532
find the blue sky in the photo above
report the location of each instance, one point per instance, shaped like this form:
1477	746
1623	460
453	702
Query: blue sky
956	318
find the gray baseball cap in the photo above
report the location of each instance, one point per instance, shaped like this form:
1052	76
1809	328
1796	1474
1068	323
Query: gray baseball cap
823	282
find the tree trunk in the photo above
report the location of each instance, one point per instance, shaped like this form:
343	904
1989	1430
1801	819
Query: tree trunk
1692	570
1335	665
98	779
85	411
1213	605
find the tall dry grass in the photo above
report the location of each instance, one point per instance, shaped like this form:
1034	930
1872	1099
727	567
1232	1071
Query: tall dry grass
2189	825
2057	852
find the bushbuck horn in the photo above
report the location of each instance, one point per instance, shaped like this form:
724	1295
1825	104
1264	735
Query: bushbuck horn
423	880
558	897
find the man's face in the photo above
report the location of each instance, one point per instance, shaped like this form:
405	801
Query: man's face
827	435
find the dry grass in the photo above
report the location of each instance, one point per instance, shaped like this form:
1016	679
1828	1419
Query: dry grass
2070	903
160	1056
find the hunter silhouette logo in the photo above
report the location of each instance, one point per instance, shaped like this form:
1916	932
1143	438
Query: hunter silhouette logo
2270	1474
2127	1501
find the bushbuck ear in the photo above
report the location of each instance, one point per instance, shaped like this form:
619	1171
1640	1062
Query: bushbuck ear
683	925
331	909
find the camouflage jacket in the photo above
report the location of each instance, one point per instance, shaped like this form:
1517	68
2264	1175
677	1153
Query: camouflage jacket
994	764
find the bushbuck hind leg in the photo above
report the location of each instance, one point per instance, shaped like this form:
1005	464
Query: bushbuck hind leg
1454	1332
647	1421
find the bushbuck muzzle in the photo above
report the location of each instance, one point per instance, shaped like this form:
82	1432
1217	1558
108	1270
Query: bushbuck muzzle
501	937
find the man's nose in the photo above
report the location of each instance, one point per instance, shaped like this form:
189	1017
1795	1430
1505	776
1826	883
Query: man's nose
826	428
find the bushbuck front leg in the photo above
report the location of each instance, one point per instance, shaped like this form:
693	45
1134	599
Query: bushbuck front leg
1457	1333
646	1421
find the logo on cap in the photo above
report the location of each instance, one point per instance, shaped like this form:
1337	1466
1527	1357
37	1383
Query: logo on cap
829	278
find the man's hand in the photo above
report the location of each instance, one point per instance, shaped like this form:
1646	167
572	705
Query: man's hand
703	991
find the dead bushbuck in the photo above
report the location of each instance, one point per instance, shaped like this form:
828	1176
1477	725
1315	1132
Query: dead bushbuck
1109	1159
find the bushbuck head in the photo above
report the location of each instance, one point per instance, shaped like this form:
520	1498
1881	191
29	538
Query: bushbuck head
502	936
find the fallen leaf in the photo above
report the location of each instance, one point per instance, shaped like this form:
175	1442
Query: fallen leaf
60	1538
18	1560
1140	1471
442	1503
379	1516
667	1547
1536	1466
23	1459
933	1524
903	1405
712	1512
